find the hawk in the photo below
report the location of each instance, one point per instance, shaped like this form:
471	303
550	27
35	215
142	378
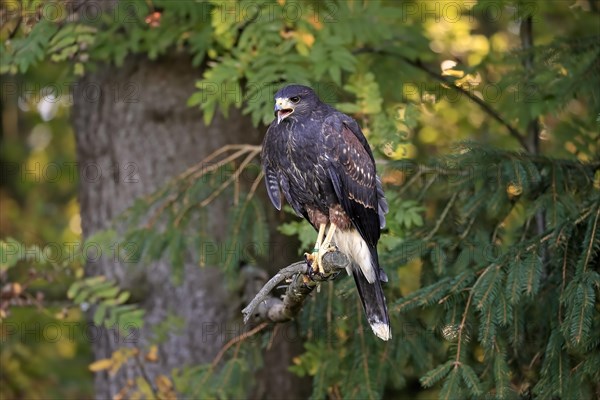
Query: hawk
320	160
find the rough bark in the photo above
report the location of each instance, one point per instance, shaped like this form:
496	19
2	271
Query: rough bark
134	132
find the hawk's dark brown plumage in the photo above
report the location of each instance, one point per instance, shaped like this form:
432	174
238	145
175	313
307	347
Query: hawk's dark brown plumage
321	162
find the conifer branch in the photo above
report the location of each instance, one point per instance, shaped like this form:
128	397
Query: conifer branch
533	127
267	307
442	217
463	321
410	182
464	234
563	280
210	164
236	340
526	35
591	244
426	187
364	351
440	78
461	327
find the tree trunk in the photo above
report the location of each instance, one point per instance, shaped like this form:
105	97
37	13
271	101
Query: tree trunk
134	133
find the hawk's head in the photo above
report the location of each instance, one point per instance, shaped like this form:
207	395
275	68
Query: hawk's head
294	99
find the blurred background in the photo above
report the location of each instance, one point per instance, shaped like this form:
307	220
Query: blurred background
125	250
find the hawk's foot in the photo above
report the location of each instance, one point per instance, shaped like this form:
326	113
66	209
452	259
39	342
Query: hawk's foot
313	261
322	251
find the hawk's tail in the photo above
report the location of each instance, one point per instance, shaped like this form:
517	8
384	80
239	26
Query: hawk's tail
373	301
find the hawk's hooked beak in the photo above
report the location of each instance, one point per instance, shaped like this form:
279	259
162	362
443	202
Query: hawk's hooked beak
283	109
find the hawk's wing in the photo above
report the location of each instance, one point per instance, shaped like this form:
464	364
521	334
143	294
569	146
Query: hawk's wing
272	182
275	181
382	205
351	169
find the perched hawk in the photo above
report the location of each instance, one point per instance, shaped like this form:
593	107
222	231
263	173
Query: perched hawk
321	161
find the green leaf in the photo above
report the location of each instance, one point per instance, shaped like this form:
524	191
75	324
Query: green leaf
107	292
100	314
74	289
10	253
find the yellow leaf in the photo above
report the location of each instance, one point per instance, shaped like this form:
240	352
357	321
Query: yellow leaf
341	334
123	394
120	357
152	355
287	33
394	177
281	2
139	396
468	80
401	151
570	146
101	365
453	72
17	289
145	390
514	190
314	21
163	383
306	38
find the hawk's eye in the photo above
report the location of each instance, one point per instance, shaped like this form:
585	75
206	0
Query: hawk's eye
295	99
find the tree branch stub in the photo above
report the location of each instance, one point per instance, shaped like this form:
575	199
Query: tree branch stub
268	307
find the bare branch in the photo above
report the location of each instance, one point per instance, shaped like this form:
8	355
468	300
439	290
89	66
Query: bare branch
217	159
232	178
267	307
145	375
441	218
235	340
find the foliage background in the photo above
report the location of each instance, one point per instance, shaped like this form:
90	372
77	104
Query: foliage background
414	74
